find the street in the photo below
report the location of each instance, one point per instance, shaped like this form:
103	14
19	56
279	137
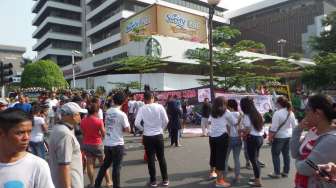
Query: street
188	166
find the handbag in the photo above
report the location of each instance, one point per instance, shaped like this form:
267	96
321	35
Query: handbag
271	134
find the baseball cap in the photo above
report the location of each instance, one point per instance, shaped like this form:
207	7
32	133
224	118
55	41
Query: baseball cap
72	108
3	101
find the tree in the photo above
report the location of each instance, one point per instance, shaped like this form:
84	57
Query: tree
323	74
325	43
45	74
235	69
140	64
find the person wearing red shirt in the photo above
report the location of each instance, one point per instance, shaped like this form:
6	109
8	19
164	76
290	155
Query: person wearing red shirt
93	131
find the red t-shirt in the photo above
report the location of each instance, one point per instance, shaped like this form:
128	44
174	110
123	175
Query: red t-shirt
90	127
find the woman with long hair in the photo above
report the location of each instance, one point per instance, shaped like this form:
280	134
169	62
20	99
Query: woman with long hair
93	131
318	112
235	143
253	131
283	122
220	119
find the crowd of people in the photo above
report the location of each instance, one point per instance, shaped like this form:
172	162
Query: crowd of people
71	131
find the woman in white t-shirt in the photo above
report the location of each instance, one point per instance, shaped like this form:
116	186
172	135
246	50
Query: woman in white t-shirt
253	132
36	143
235	143
220	119
283	122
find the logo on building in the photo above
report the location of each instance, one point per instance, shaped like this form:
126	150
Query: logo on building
153	48
181	22
137	23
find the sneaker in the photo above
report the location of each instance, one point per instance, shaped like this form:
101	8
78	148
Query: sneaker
222	183
248	166
274	176
254	184
165	183
261	164
284	175
152	184
212	175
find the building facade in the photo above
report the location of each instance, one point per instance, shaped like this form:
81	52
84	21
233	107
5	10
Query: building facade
91	26
284	26
58	30
13	54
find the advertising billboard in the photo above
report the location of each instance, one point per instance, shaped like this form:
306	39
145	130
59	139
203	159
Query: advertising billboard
165	21
146	20
179	24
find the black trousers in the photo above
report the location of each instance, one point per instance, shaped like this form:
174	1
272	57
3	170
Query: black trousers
174	134
218	151
253	145
113	155
155	146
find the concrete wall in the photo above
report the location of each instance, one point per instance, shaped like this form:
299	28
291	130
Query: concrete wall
157	81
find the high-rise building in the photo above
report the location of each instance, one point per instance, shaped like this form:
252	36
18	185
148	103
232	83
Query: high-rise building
59	29
93	28
284	26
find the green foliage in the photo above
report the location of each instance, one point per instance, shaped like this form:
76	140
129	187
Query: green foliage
296	56
44	74
323	74
236	70
140	64
325	43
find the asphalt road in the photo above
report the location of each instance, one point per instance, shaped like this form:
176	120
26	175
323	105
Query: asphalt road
188	166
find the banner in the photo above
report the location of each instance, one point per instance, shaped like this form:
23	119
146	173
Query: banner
203	94
263	103
194	95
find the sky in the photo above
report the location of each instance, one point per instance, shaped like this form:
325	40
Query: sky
16	17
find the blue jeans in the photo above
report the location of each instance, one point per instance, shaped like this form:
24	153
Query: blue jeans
235	145
280	145
37	148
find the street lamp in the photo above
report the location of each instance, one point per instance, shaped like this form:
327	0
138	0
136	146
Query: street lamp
282	43
73	53
212	5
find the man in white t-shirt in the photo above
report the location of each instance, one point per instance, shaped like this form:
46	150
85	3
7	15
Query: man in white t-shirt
116	123
19	168
53	103
131	113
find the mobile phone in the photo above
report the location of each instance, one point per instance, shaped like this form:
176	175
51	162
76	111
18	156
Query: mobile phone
322	173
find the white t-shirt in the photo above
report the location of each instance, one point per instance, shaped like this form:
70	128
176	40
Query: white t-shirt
246	123
52	103
100	114
37	132
234	128
219	125
278	118
115	121
28	172
131	106
154	119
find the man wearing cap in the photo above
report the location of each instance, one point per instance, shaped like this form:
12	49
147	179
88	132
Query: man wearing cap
64	150
3	104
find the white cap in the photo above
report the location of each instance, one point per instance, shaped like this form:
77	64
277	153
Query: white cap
72	108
